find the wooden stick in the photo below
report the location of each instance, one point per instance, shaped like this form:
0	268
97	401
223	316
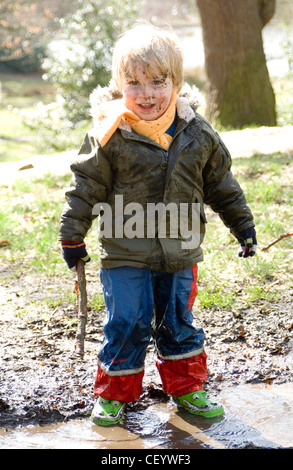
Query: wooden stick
81	297
281	237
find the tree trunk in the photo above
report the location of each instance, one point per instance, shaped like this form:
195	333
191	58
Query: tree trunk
239	92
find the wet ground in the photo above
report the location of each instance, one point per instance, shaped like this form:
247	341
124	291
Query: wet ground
256	417
46	391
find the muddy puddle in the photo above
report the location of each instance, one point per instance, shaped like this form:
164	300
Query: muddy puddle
255	417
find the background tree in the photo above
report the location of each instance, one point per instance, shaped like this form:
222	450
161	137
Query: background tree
26	26
238	87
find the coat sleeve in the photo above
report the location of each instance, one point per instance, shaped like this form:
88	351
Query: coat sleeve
91	183
222	191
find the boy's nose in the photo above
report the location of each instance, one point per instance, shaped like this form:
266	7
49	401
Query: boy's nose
145	92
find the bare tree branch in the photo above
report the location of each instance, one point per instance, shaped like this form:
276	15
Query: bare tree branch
281	237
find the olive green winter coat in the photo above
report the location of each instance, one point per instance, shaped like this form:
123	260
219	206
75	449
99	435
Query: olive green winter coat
135	172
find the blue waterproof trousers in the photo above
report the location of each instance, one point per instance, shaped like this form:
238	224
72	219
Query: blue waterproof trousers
140	304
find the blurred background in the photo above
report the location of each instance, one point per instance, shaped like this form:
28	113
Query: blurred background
53	54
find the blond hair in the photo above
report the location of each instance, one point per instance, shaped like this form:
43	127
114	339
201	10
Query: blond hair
155	48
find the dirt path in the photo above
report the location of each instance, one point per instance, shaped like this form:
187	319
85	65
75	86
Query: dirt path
264	140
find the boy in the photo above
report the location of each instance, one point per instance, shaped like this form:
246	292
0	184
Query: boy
149	149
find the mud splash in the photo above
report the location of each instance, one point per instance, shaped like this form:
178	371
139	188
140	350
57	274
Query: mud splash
255	417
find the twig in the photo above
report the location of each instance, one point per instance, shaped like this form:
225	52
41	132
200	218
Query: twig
51	333
81	297
281	237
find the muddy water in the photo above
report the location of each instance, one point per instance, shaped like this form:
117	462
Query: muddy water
254	417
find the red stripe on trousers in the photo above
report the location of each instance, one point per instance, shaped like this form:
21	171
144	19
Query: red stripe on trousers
193	287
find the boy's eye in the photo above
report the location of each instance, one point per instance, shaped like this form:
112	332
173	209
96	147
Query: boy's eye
154	82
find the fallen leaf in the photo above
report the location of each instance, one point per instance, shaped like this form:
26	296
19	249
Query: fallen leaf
26	167
4	243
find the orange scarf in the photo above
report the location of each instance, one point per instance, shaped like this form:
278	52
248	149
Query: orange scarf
114	111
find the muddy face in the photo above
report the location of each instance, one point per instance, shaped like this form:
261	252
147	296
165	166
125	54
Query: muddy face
147	96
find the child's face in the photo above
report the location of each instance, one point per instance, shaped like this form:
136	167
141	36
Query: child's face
147	97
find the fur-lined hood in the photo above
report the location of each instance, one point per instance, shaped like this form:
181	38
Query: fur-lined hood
188	101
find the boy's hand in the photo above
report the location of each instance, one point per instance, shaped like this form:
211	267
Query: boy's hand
248	243
72	251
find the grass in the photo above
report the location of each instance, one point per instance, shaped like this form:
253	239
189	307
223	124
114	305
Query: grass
20	93
29	223
283	89
21	90
228	281
26	99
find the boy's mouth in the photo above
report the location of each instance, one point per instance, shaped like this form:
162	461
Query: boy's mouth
146	106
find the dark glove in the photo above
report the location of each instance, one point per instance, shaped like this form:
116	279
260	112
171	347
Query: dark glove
72	251
248	243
